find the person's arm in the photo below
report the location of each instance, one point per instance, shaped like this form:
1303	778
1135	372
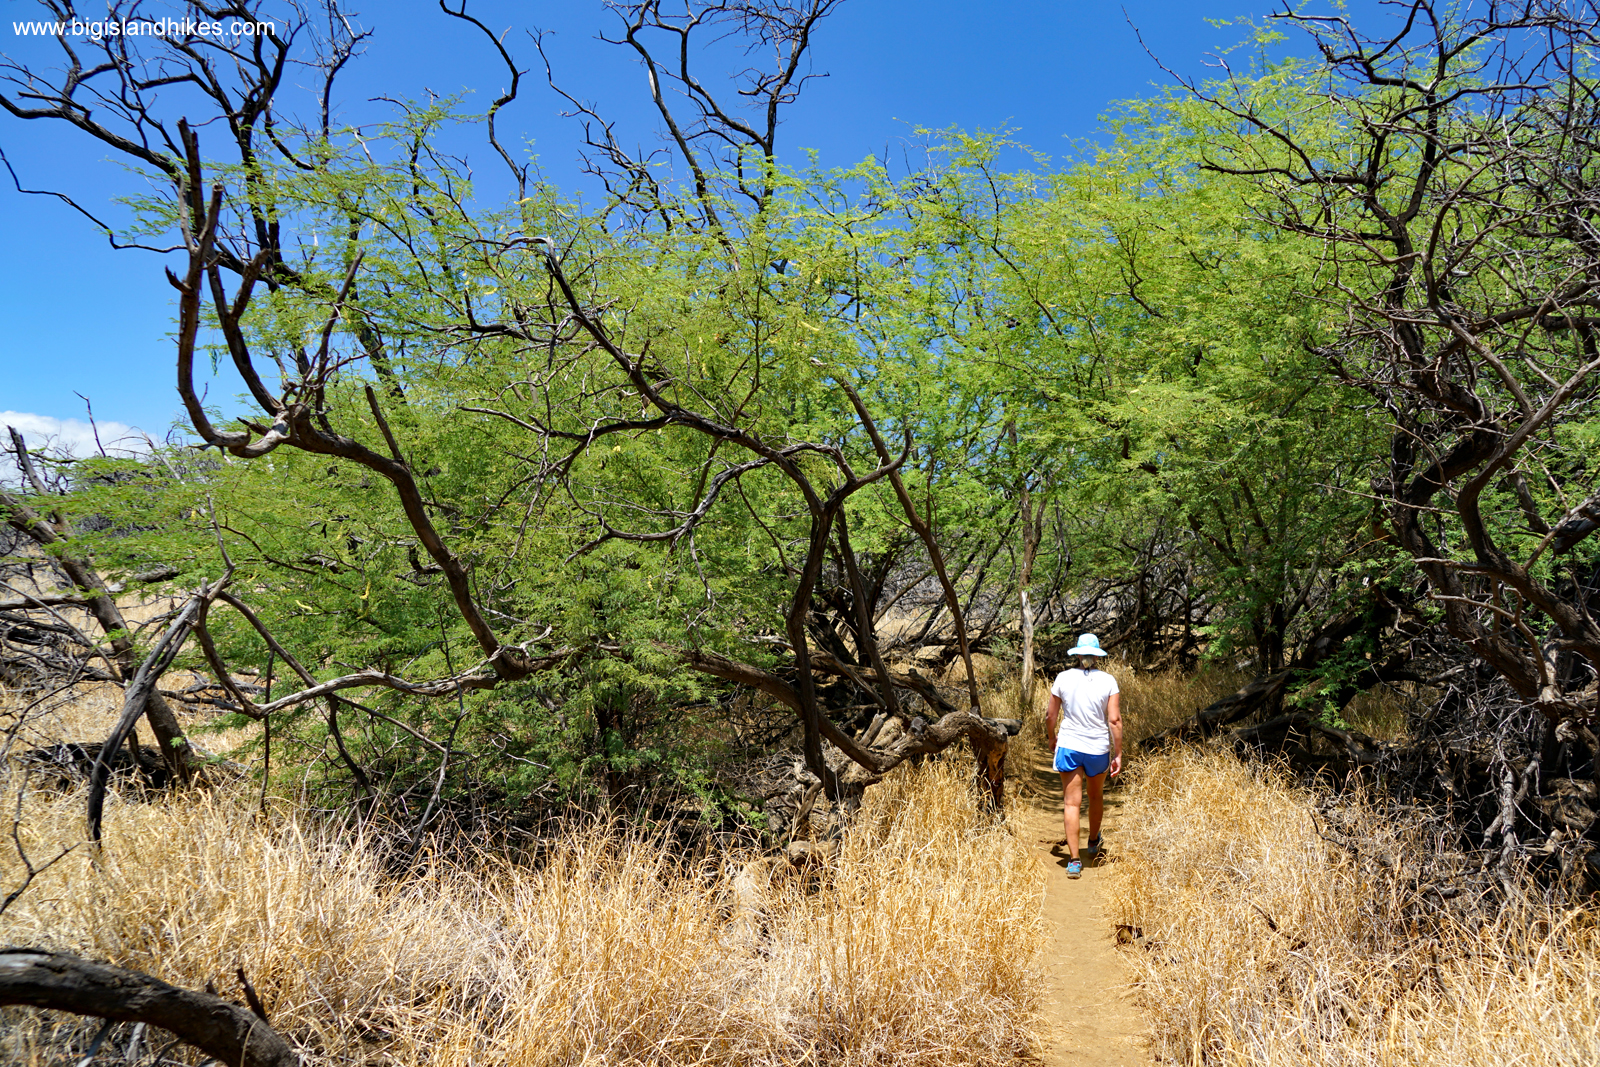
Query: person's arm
1050	720
1114	721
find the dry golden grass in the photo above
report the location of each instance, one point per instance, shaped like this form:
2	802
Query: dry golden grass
1211	847
82	712
916	945
87	712
1381	712
1154	701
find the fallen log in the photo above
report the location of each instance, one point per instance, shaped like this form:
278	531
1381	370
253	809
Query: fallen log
71	762
1256	695
1264	693
59	982
1291	734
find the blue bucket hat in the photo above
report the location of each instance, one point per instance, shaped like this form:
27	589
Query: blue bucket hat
1088	645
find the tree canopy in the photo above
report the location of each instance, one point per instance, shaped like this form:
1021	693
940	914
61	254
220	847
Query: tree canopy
1292	373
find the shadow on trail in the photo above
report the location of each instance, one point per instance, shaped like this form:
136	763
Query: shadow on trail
1043	795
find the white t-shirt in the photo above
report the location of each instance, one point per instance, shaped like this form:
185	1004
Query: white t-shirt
1084	698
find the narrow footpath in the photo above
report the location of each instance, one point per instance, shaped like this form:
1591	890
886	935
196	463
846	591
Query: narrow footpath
1090	1019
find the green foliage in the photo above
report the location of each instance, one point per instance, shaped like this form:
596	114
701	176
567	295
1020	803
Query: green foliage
1127	338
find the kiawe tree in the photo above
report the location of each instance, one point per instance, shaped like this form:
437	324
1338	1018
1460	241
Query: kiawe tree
461	416
1444	173
518	478
494	468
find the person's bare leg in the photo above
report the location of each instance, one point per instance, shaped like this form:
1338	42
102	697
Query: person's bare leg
1071	808
1097	805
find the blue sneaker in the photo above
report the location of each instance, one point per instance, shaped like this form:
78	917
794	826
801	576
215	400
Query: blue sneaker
1092	849
1074	868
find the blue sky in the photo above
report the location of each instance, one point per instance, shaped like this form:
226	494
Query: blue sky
81	318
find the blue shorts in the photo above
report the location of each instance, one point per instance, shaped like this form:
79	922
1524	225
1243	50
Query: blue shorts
1092	765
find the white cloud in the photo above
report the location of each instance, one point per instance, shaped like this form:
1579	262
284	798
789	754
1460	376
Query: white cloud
71	437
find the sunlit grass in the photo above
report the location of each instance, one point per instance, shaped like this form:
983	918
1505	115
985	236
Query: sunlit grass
1215	853
917	944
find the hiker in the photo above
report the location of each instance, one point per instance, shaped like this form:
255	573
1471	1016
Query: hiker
1087	704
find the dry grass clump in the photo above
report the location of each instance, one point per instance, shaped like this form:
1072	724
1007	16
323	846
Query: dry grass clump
1153	701
1263	944
915	945
1380	712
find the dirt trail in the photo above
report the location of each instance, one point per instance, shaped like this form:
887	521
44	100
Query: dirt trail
1090	1019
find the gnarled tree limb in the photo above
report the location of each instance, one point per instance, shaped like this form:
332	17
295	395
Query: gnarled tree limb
59	982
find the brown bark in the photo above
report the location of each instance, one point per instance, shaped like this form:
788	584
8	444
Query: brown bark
922	739
1032	529
990	763
140	687
868	638
59	982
